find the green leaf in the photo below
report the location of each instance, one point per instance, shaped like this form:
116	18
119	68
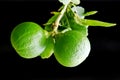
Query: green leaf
70	20
52	19
67	18
79	11
48	25
68	1
90	13
65	22
90	22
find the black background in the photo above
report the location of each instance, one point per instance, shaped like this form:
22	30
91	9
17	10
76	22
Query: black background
102	63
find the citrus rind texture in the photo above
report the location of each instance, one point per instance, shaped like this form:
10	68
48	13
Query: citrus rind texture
71	48
28	39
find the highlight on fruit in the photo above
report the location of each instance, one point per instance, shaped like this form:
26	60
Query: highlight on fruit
65	35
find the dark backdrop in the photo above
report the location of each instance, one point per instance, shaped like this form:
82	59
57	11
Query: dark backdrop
102	63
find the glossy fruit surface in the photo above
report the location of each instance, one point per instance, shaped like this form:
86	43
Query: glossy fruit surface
28	39
71	48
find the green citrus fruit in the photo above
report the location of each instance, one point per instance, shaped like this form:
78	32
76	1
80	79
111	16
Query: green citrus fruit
28	39
49	47
71	48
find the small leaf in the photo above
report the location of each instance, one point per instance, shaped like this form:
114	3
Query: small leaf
79	11
53	18
65	21
70	20
90	13
48	25
90	22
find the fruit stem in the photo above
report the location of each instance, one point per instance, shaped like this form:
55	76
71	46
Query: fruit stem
56	23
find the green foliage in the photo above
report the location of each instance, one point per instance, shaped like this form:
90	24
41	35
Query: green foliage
91	22
65	35
90	13
49	24
70	20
